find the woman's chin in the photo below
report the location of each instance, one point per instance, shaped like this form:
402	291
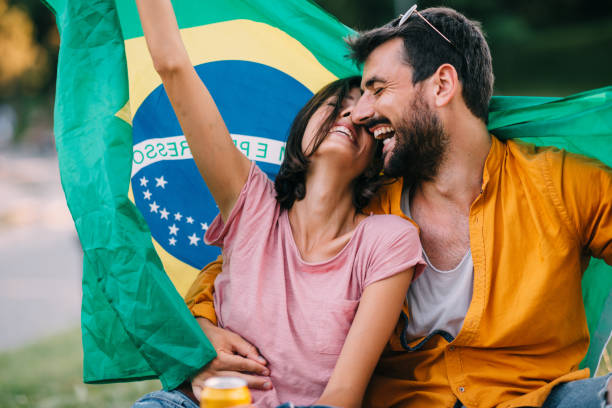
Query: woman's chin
341	161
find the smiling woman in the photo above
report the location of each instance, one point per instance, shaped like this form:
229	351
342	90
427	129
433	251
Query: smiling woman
334	277
290	181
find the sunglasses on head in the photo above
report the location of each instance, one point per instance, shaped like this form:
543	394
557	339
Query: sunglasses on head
413	10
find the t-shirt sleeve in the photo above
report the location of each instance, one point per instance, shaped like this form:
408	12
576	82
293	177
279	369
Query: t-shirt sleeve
255	208
396	247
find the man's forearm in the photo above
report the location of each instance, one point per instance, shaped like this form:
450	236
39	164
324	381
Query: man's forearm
199	298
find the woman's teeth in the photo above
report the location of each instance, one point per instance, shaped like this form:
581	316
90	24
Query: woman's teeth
344	130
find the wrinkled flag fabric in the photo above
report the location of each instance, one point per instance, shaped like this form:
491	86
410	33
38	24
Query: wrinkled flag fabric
139	205
134	323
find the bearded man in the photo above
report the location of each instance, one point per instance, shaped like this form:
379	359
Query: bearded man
497	318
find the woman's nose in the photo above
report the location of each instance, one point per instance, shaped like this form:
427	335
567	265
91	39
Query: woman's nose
346	111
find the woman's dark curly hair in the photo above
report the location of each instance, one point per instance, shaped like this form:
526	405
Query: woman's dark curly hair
290	181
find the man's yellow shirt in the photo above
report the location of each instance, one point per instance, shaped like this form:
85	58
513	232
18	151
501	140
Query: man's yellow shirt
541	215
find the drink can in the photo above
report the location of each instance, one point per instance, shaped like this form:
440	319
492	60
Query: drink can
223	392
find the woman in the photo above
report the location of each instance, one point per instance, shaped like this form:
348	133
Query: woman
315	284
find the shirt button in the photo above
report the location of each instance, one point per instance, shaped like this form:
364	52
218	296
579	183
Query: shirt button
451	348
461	389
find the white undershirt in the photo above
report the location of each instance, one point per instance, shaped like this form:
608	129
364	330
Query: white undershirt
438	300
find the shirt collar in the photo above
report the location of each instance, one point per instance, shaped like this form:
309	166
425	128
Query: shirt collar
494	161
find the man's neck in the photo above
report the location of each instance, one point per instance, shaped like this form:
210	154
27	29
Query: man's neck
459	178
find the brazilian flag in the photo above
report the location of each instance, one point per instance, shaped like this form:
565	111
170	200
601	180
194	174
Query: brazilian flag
138	202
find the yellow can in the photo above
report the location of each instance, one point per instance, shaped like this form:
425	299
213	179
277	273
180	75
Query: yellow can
224	392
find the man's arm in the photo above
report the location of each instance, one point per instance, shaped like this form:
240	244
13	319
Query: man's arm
235	356
584	187
199	298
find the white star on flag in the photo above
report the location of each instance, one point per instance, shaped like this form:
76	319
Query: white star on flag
164	214
204	226
172	241
178	216
173	229
144	181
160	182
193	239
154	207
147	195
189	220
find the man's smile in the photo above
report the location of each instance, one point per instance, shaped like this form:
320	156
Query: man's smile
382	131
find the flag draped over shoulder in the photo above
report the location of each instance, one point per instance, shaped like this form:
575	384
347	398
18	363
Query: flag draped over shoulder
138	202
580	123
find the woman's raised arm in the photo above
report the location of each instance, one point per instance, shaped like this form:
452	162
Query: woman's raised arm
223	167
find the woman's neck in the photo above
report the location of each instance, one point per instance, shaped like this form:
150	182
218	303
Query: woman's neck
323	221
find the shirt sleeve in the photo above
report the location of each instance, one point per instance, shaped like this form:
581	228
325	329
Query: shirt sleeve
255	208
396	248
199	298
584	189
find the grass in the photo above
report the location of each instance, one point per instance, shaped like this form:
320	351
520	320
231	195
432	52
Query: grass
48	374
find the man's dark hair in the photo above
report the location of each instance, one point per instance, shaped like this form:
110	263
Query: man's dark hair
425	50
290	181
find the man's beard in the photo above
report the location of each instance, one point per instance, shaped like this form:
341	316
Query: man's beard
420	145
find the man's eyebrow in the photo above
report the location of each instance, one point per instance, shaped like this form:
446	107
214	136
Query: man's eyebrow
370	82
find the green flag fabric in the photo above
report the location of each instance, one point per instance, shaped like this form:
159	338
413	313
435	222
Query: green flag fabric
138	204
134	323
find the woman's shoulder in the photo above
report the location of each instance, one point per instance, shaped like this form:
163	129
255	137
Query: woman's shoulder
390	223
255	207
258	186
390	244
383	230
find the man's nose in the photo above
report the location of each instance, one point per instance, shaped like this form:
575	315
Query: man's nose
363	111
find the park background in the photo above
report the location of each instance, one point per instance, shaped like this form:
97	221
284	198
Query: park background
544	47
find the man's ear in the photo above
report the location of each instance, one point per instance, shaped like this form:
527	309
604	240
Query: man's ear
446	85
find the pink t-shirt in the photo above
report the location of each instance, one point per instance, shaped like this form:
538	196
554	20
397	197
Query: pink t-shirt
298	313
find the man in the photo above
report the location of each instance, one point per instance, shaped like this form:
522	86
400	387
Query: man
497	318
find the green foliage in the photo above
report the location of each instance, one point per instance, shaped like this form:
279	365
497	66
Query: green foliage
555	61
359	14
548	47
29	42
48	374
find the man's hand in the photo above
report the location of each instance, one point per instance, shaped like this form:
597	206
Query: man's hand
235	358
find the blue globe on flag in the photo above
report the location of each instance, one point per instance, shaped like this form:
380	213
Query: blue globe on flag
168	189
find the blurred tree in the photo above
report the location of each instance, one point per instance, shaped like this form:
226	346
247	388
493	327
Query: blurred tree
548	47
552	47
360	14
28	45
27	50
